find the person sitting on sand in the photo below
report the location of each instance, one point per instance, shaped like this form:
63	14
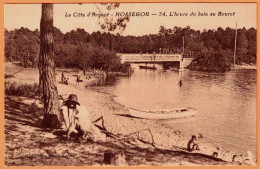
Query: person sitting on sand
76	118
191	146
66	81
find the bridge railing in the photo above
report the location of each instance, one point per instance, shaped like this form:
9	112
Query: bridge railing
150	57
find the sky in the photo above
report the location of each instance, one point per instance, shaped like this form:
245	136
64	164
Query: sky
194	15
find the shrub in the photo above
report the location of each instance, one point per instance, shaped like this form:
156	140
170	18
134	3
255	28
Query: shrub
124	67
26	90
213	61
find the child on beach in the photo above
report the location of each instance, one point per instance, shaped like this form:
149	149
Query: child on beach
66	81
191	146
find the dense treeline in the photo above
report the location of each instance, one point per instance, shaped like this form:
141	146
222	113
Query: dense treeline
213	49
22	45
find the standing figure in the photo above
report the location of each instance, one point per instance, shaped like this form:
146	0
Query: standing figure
62	78
84	72
78	79
154	56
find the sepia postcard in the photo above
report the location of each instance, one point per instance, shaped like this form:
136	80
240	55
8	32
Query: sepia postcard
130	84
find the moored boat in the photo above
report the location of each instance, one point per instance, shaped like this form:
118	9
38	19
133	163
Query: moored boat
173	69
162	114
147	67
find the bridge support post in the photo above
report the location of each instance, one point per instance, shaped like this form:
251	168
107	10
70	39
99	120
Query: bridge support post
182	66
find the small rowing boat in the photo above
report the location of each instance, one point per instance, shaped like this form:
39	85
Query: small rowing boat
148	67
162	114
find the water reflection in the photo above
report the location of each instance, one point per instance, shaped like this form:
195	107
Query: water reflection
104	81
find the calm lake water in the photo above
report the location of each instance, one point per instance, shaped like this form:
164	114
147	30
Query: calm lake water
225	102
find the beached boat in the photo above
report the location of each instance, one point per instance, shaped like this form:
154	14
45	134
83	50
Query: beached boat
162	114
148	67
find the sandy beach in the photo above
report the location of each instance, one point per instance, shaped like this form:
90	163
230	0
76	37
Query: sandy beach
145	142
245	66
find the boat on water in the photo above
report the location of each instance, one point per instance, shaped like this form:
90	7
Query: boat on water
177	69
162	114
173	69
147	67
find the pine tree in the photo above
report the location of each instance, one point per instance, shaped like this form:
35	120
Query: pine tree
47	79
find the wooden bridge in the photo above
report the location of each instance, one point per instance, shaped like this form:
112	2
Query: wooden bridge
154	58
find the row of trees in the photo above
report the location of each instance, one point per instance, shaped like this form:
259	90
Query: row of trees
78	48
70	50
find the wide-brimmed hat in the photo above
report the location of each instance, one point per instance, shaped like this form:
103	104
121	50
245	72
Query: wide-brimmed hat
72	98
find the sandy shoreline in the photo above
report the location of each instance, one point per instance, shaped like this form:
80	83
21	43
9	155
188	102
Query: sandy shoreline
100	102
245	66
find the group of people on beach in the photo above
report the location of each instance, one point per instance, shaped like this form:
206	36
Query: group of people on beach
248	159
64	80
96	72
